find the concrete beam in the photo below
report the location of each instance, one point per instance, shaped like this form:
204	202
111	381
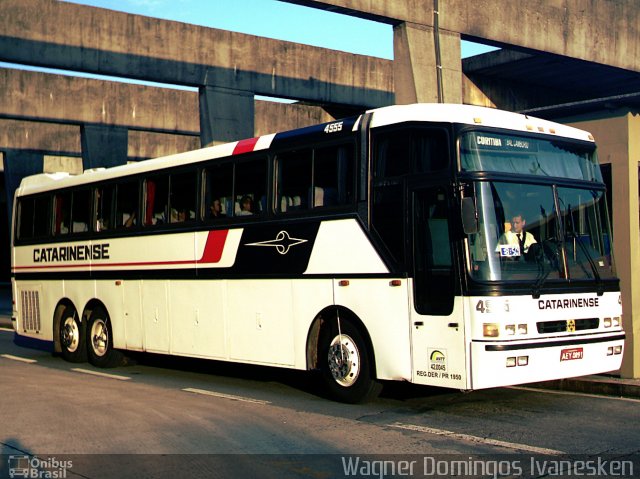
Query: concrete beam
45	97
161	121
65	35
103	146
600	31
64	140
225	115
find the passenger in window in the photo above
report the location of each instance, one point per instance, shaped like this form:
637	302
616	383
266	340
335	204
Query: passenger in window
246	206
215	210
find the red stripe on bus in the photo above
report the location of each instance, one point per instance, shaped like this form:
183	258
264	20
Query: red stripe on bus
245	146
214	247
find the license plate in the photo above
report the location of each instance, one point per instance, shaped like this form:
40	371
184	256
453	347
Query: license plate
569	354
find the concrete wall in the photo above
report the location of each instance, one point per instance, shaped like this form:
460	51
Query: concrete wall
618	139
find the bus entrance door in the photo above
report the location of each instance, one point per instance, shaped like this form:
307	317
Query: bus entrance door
437	318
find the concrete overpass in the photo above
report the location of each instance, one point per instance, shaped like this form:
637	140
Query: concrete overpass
47	120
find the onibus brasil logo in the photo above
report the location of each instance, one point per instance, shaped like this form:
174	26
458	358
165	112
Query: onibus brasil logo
38	468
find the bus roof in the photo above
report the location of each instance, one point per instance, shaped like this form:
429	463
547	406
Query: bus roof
437	112
473	115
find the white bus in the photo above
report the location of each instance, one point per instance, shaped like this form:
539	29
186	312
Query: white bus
370	248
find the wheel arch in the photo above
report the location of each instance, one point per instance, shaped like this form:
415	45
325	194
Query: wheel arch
332	313
90	306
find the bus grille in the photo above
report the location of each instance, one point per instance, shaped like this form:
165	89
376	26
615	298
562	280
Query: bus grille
30	302
571	325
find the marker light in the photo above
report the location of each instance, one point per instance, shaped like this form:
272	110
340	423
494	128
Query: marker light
490	330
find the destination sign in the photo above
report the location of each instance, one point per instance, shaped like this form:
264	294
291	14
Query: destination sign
485	141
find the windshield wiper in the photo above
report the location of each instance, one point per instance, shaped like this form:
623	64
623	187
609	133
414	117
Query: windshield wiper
545	251
585	251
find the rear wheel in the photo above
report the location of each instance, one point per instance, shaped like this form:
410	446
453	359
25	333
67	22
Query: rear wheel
345	363
71	335
100	341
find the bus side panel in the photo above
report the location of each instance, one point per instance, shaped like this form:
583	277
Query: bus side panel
197	318
260	321
155	316
130	330
384	310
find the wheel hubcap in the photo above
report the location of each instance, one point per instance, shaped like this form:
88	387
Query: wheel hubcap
344	360
70	335
99	337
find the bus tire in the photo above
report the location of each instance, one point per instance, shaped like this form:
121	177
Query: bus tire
71	336
345	363
100	341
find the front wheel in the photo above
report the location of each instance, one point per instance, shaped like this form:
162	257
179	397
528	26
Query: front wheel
100	341
345	363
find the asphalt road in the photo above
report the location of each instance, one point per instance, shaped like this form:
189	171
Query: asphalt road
171	417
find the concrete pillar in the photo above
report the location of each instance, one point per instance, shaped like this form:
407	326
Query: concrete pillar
103	146
17	165
225	115
627	224
416	50
618	139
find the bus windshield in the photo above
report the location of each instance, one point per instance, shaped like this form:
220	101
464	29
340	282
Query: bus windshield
529	232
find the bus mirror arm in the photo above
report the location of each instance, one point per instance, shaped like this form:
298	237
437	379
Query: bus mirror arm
469	216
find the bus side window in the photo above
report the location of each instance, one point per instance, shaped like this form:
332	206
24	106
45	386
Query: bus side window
156	200
127	202
80	211
294	180
333	176
250	188
218	202
61	213
34	215
105	196
183	197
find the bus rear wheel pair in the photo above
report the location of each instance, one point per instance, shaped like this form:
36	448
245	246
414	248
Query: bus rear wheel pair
90	339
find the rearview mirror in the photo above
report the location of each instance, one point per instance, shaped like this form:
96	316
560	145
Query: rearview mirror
469	216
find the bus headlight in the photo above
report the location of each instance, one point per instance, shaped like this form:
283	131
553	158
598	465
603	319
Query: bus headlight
616	322
510	329
523	329
607	322
490	330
